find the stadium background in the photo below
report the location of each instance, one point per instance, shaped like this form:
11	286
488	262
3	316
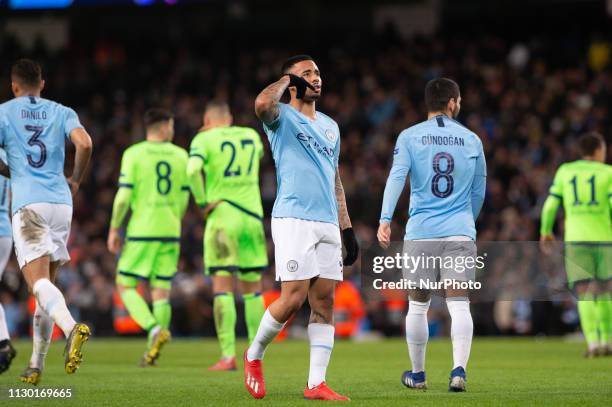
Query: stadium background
534	76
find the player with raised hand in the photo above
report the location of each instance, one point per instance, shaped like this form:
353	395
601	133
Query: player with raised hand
234	239
447	171
7	351
584	187
308	218
153	184
33	132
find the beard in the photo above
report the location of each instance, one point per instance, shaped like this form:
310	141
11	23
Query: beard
313	97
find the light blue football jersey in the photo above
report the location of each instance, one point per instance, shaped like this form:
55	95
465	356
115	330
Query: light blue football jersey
306	154
33	131
5	219
447	170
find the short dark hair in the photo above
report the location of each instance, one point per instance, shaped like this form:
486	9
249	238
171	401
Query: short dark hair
288	64
27	72
157	115
438	92
589	143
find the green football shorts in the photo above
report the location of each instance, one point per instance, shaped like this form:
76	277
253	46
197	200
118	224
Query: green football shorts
152	260
587	261
234	242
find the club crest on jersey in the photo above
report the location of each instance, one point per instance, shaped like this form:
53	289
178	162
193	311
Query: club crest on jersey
292	265
331	136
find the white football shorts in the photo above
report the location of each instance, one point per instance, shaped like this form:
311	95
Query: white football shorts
305	249
42	229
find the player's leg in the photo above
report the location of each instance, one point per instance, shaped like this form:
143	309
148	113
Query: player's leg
253	260
294	243
462	330
221	261
321	330
458	304
587	312
249	284
417	336
165	267
416	325
224	311
293	294
135	265
42	331
7	351
604	297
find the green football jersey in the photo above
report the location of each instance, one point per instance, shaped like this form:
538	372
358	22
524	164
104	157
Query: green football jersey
230	159
156	173
585	189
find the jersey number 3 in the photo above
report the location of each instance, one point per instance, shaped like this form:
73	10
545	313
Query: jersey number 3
442	174
35	142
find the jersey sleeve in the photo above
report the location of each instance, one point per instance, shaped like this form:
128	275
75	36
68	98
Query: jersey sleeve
552	203
556	189
197	157
197	149
275	124
127	174
337	148
258	145
610	185
479	184
71	121
397	178
3	128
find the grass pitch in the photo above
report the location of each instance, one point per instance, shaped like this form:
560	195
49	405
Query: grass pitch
515	372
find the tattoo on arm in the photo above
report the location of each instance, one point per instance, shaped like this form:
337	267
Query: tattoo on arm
266	103
343	215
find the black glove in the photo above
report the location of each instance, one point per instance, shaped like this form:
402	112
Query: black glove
351	246
300	84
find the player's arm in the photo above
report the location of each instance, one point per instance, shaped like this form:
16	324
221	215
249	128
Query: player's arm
549	211
348	235
393	189
83	145
122	201
196	181
267	102
479	184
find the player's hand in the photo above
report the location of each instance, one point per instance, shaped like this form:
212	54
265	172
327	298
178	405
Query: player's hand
113	242
351	246
209	208
73	185
384	235
546	244
300	85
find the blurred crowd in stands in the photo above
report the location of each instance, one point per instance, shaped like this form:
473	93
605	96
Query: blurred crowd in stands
527	101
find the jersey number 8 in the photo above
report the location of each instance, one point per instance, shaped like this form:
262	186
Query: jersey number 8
164	184
443	174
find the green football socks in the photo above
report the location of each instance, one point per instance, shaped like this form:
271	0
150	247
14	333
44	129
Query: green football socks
162	312
138	309
224	310
253	311
587	309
